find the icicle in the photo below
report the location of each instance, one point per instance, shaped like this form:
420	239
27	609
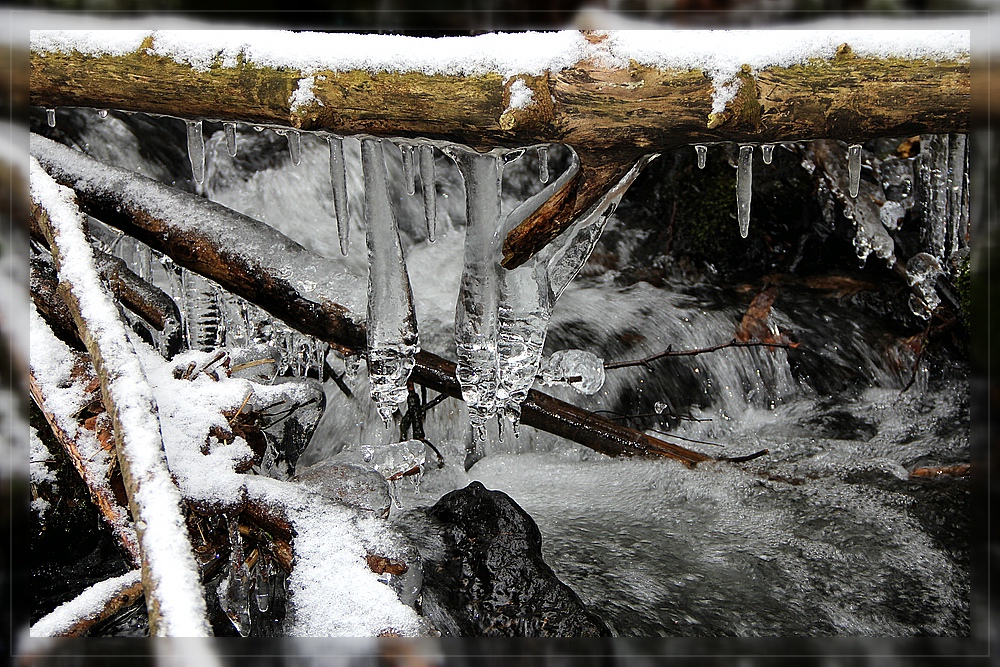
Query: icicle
352	365
854	167
234	588
196	149
338	179
428	187
294	145
407	152
922	273
230	129
392	324
103	113
543	164
50	117
744	181
204	326
524	310
767	152
702	152
476	318
263	584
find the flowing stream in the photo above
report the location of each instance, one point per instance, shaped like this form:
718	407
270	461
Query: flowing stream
826	534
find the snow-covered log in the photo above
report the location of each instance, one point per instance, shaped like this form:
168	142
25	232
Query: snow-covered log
174	598
97	603
294	284
614	96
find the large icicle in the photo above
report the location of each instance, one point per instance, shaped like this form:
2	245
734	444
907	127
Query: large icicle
744	181
392	324
476	317
338	180
196	149
428	188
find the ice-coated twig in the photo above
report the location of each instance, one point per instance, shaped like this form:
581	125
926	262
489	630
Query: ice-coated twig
392	324
170	576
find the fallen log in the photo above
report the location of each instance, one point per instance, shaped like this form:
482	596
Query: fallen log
260	264
97	603
613	96
171	585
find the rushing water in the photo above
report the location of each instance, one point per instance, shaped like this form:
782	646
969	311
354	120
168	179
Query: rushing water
826	534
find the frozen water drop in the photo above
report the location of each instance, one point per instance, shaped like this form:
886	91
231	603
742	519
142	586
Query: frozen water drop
258	128
702	152
50	117
543	164
767	152
294	146
660	407
582	370
196	149
230	129
103	113
428	188
744	190
338	180
407	152
854	168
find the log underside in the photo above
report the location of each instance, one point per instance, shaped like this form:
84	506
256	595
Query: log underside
611	116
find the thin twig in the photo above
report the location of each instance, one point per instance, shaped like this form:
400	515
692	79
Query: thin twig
681	437
646	361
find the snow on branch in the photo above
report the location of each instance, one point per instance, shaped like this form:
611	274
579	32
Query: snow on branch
612	95
97	603
174	597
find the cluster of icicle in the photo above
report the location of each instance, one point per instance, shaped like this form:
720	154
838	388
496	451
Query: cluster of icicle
501	316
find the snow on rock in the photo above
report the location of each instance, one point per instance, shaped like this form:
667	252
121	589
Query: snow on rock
168	561
86	606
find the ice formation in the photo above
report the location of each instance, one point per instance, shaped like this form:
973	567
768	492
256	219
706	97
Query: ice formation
854	168
428	188
744	190
196	149
338	181
922	272
294	144
50	117
767	152
476	318
543	164
582	370
230	129
103	113
406	151
702	152
392	324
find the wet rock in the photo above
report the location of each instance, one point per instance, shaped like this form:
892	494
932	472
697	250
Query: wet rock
349	484
484	574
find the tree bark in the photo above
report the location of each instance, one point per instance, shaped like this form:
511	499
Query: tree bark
170	580
111	195
610	115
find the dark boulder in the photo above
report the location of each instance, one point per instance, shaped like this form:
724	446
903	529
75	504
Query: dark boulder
484	574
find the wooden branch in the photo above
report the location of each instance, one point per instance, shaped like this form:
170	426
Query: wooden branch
645	361
174	598
100	490
611	114
95	604
111	195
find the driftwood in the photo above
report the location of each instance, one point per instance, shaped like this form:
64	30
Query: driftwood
153	497
611	115
102	192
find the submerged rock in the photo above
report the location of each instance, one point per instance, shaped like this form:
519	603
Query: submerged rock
484	574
